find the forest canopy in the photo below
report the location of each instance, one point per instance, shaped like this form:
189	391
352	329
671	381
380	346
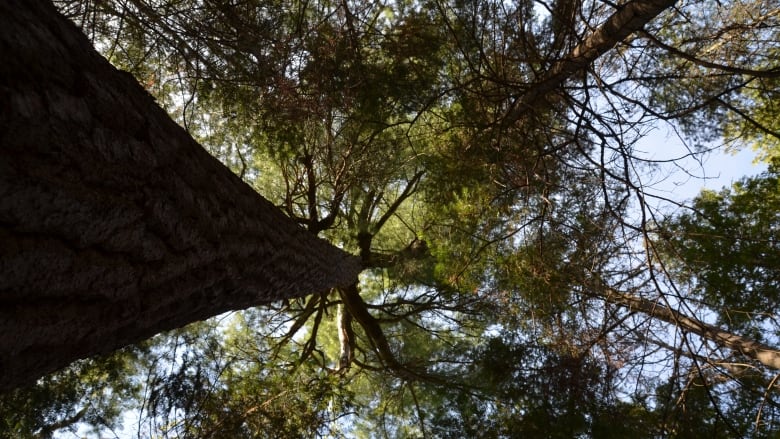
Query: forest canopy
522	276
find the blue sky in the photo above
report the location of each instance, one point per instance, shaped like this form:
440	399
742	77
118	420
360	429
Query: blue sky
685	178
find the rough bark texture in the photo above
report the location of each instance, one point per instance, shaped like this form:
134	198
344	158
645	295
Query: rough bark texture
114	224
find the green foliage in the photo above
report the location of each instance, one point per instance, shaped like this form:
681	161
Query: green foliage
727	247
761	132
492	247
92	392
529	390
223	380
691	406
725	85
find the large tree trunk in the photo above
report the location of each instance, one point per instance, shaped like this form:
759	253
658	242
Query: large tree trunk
114	224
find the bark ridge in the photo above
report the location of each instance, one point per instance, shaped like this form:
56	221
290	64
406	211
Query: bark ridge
114	223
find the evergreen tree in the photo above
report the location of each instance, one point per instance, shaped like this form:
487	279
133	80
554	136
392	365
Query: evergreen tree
480	159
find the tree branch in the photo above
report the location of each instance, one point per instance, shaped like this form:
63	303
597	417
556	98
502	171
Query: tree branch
768	73
764	354
629	18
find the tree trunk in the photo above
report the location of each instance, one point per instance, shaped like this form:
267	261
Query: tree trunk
764	354
115	224
629	17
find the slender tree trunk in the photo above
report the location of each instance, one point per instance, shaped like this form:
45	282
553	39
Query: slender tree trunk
627	19
346	338
114	224
764	354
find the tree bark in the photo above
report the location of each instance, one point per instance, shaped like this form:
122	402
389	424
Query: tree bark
115	224
764	354
629	18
